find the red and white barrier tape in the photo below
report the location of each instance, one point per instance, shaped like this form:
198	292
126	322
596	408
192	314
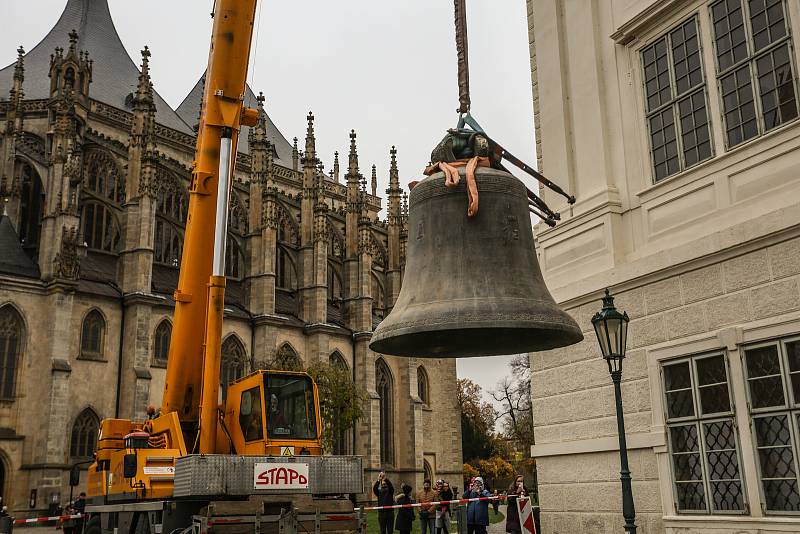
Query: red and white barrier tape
46	519
435	503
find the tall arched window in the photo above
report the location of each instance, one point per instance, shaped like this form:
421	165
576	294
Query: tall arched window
84	434
103	177
100	227
378	297
31	202
172	207
334	285
428	470
286	275
234	261
384	387
286	359
423	387
337	360
167	244
92	335
161	343
233	362
12	334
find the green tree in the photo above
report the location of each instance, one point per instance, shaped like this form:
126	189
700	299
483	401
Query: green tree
341	402
477	421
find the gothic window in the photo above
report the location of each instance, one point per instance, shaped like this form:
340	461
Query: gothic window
237	216
337	360
84	435
754	67
378	297
69	78
287	231
675	97
172	207
428	470
773	384
100	228
161	343
286	359
31	204
703	439
234	261
423	389
233	362
12	334
334	285
103	177
167	243
92	335
384	387
286	271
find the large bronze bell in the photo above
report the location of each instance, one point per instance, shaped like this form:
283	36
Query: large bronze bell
472	285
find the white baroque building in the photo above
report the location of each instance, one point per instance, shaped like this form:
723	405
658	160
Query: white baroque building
674	123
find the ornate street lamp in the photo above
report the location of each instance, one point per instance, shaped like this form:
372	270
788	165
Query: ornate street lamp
611	328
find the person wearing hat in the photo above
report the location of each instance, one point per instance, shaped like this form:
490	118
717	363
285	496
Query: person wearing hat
405	516
477	511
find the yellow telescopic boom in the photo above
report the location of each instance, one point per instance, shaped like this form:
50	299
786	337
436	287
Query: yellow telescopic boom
192	382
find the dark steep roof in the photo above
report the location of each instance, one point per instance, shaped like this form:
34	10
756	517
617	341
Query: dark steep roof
189	111
13	259
114	74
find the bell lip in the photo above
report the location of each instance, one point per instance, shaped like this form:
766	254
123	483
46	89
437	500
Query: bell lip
548	337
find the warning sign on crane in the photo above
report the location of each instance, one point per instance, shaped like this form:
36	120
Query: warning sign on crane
287	451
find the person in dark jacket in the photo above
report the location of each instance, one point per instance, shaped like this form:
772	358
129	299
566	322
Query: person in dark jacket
405	516
478	511
384	491
443	510
516	490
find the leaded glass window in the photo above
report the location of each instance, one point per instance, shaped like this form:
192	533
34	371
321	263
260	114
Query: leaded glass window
773	385
232	364
161	343
92	335
385	389
703	440
83	440
753	50
12	334
675	97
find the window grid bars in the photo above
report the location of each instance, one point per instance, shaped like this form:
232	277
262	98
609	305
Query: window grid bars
793	416
672	104
752	56
698	420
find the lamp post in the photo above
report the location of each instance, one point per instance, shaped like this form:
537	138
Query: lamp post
611	328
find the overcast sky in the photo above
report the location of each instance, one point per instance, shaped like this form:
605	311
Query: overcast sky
386	68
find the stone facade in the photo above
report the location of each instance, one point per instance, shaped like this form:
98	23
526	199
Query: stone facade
94	179
702	252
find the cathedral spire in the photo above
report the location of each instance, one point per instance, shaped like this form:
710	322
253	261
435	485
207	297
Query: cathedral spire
295	155
394	192
352	168
374	182
143	101
310	155
19	66
335	174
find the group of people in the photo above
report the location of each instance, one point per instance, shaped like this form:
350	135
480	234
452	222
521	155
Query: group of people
435	518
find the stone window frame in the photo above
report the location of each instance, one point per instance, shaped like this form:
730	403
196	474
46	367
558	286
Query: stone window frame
749	64
22	331
156	360
383	373
84	353
790	408
105	201
730	339
423	385
86	420
637	35
233	362
699	420
676	98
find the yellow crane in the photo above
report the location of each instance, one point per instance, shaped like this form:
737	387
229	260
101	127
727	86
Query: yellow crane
198	460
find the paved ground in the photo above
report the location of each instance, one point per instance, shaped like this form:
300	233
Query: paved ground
494	528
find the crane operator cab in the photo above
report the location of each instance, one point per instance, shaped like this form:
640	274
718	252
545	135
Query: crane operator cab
272	413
